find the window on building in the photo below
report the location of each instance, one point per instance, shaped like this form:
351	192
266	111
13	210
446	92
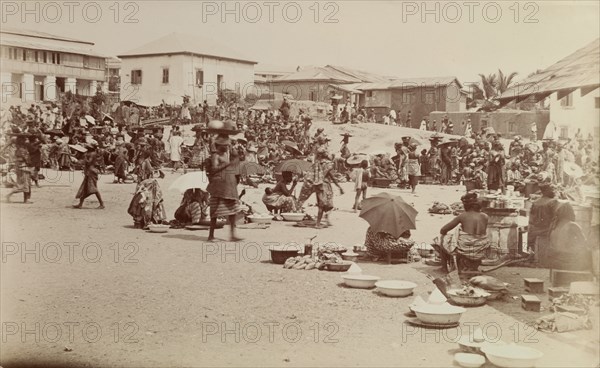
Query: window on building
12	53
564	132
24	55
86	61
136	76
597	102
165	75
567	101
313	96
408	98
55	58
511	126
220	85
429	98
36	56
44	57
369	93
199	77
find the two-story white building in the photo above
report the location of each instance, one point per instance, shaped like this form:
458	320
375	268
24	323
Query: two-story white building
572	86
38	66
178	64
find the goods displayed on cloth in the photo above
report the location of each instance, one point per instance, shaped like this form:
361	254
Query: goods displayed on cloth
493	286
468	296
563	322
440	209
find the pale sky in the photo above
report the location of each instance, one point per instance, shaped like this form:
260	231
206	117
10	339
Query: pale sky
385	37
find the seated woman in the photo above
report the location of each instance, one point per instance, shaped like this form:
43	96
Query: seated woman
513	176
280	198
384	245
470	243
146	206
193	207
568	248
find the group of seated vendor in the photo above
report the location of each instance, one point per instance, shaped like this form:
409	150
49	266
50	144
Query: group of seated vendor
553	234
383	167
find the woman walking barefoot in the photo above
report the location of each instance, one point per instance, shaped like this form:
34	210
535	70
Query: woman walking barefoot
414	168
89	185
361	183
222	186
323	168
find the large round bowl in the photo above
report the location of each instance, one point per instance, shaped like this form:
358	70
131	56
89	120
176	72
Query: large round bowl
475	300
360	281
444	314
395	288
260	219
467	360
339	267
280	254
292	216
512	356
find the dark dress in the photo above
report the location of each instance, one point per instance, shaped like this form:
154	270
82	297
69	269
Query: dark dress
90	181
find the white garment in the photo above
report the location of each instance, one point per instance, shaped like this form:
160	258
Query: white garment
423	125
175	145
386	120
393	114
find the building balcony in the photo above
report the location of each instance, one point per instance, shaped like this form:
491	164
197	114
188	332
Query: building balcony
64	71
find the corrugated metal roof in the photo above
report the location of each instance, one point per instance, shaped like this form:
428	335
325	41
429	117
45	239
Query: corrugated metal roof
407	83
273	69
580	69
317	73
361	74
177	43
346	88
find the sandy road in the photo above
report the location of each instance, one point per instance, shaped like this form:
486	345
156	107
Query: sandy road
87	282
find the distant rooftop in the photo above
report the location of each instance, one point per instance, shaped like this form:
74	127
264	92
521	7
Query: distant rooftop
408	83
177	43
38	34
334	74
274	69
35	40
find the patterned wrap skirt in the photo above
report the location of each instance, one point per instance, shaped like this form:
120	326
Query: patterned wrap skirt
223	207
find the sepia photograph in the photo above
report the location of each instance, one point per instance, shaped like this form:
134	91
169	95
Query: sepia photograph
172	170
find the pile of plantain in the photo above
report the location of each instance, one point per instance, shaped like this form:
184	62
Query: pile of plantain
306	262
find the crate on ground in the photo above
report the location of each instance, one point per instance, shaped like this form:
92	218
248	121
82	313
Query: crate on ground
531	303
557	292
533	285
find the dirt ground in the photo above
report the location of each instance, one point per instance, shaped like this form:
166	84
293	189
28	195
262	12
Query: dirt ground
83	288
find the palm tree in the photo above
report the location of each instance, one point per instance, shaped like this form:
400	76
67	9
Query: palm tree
504	81
488	84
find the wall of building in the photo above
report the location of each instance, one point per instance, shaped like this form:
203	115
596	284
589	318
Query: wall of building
509	123
378	98
584	113
237	76
302	90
